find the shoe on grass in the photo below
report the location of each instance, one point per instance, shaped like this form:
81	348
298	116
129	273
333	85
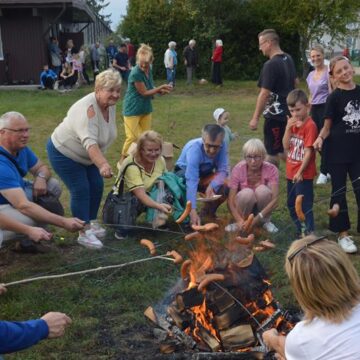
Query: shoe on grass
347	244
97	229
89	240
270	227
322	179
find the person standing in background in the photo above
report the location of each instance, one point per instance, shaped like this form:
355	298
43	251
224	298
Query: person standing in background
95	58
319	85
121	62
217	60
111	52
170	62
191	60
55	55
130	52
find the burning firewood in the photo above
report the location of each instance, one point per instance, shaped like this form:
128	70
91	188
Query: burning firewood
177	257
208	279
248	223
206	227
185	214
245	241
184	271
267	244
334	211
149	244
194	236
298	208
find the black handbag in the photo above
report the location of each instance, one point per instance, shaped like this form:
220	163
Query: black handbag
120	208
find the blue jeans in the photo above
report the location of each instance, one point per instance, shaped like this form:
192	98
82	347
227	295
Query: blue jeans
84	183
170	75
305	188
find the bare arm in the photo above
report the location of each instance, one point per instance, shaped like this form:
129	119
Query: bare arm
232	207
142	90
275	341
40	182
140	193
19	201
34	233
307	156
286	139
273	203
98	158
324	133
259	108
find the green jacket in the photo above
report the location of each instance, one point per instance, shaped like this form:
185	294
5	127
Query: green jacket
177	187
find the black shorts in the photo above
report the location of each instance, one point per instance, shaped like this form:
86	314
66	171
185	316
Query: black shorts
274	131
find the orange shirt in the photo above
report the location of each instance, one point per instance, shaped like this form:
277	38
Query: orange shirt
301	138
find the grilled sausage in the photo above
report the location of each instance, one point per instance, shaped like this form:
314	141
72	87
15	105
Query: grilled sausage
185	214
177	257
185	268
298	208
248	223
149	244
210	278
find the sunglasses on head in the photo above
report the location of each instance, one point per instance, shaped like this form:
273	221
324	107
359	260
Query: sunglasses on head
300	249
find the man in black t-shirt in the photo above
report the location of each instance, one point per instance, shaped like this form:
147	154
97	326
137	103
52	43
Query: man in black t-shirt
121	62
277	79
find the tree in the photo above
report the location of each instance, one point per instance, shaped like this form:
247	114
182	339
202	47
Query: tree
312	19
98	6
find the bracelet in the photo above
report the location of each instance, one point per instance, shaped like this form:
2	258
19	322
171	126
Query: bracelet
261	216
41	175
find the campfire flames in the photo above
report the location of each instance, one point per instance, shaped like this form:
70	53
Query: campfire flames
227	302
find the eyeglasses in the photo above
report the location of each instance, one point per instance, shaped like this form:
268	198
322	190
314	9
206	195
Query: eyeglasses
291	257
19	131
211	146
253	157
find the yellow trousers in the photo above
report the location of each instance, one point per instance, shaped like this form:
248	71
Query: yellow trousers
134	127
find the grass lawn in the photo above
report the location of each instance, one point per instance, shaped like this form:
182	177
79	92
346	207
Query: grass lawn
107	307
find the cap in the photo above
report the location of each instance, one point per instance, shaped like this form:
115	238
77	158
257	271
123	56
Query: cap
217	113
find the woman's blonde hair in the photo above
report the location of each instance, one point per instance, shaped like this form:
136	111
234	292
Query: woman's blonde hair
150	136
144	53
107	79
324	280
254	146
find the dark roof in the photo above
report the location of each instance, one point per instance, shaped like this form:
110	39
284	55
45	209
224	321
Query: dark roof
74	10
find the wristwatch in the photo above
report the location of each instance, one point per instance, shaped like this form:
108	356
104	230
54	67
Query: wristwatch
41	175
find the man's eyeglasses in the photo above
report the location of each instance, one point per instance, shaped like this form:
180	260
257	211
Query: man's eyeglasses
19	131
253	157
311	242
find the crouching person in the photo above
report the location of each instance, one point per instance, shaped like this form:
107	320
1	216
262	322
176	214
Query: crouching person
203	163
17	195
137	175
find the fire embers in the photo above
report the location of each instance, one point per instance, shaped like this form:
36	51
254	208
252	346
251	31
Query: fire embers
225	303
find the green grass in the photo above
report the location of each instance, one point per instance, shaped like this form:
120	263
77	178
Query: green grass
107	307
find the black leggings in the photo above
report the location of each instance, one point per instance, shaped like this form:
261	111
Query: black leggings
339	174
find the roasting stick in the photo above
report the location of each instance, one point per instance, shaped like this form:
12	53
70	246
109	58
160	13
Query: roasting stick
100	268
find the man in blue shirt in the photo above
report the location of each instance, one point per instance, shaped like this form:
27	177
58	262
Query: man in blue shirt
203	163
121	62
16	193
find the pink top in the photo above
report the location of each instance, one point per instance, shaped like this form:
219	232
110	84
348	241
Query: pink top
239	177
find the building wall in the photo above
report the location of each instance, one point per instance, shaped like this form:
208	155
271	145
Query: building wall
23	47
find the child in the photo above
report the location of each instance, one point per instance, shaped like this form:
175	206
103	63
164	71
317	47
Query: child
47	78
300	134
222	117
342	131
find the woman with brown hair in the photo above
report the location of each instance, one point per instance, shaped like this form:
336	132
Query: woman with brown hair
327	287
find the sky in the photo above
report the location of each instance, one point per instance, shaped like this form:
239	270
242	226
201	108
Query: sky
116	8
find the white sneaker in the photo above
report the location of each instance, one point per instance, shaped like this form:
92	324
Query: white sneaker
270	227
89	240
232	227
97	230
328	176
322	179
347	244
56	85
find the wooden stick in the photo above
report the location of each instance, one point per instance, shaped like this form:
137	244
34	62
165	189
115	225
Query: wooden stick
24	281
